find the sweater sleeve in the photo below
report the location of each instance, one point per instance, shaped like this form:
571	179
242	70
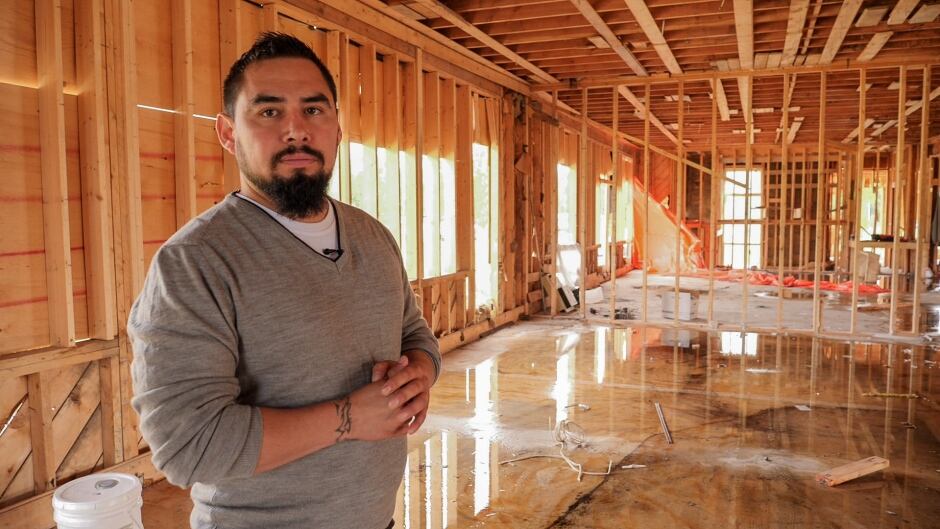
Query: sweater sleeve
415	333
184	373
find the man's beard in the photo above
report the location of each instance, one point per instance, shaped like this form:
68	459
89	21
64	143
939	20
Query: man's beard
298	195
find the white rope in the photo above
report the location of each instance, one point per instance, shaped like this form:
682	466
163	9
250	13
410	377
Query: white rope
565	433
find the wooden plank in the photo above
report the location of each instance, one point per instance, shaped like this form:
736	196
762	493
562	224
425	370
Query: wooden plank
583	182
744	29
850	471
464	173
820	198
109	372
454	18
924	191
40	427
38	360
270	17
125	188
184	135
896	224
588	12
96	189
840	28
878	40
795	22
901	11
230	48
646	209
722	100
55	211
648	24
369	124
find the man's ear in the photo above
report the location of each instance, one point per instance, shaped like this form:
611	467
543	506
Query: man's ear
225	130
339	135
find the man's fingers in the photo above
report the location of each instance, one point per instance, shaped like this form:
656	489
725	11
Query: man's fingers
388	368
419	420
406	393
414	407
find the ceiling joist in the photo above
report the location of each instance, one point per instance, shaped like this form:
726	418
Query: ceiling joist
588	12
646	21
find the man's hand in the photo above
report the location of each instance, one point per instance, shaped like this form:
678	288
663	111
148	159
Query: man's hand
408	387
366	414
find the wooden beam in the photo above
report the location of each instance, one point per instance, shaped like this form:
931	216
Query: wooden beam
898	179
855	225
55	208
391	119
184	126
901	11
648	24
839	29
744	29
40	429
641	107
795	22
612	203
583	181
646	209
612	40
924	190
721	99
878	40
95	168
270	21
454	18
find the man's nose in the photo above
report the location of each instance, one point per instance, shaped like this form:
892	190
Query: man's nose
296	128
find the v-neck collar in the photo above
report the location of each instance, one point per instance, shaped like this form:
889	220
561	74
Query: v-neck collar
339	262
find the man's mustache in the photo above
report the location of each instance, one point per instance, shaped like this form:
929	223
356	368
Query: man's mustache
293	149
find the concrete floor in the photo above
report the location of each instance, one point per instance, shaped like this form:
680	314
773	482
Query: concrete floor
744	454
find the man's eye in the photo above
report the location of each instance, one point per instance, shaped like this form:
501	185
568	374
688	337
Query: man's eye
269	112
314	111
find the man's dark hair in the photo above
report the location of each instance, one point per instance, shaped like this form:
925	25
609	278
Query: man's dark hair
270	45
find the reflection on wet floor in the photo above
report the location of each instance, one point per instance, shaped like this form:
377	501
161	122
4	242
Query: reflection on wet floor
754	418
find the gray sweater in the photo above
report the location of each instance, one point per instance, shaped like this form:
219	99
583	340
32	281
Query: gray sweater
237	313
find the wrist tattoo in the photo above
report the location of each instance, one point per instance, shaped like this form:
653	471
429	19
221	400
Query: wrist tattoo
343	406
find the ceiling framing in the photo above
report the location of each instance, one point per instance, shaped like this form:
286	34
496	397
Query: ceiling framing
567	44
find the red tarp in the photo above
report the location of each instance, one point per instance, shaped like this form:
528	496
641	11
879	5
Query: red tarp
761	278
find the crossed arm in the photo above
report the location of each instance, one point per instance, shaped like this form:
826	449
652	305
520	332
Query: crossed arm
394	404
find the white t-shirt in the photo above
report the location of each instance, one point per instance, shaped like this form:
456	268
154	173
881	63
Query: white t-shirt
319	236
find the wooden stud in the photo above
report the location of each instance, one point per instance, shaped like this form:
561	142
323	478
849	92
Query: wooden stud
821	184
924	191
270	18
96	190
348	87
125	191
432	148
898	179
783	207
448	151
230	48
465	201
368	126
55	210
40	427
109	371
680	198
584	180
748	166
855	247
557	137
715	185
612	209
184	126
646	206
419	165
391	123
795	23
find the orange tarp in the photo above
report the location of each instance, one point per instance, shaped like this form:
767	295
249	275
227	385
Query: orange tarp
761	278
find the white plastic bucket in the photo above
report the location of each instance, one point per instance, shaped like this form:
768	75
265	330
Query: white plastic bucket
99	501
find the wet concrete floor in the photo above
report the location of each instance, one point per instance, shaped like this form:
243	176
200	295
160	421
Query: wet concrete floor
753	418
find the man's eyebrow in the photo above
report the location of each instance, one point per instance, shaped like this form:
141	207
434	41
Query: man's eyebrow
261	99
317	98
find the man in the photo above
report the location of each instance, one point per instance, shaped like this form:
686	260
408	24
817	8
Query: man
279	355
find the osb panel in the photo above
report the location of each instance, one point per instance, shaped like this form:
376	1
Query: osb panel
85	456
72	417
14	441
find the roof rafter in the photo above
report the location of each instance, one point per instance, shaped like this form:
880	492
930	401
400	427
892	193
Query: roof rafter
841	27
595	19
451	16
646	21
795	23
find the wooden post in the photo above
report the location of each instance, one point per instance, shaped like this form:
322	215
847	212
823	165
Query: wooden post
419	165
465	196
109	372
55	209
855	245
715	188
612	204
680	197
553	204
269	15
646	202
783	208
820	197
349	85
584	179
804	212
898	179
96	190
748	162
184	127
368	125
924	188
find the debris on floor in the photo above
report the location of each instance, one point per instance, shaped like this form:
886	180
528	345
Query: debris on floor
851	471
891	395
